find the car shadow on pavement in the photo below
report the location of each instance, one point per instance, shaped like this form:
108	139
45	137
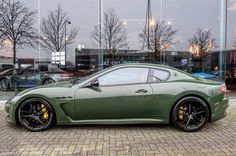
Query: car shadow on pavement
210	127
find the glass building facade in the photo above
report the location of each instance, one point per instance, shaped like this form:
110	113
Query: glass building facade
192	35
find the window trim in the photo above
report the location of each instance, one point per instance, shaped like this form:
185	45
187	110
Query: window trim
160	70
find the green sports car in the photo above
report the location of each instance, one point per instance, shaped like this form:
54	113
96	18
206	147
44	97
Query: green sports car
122	94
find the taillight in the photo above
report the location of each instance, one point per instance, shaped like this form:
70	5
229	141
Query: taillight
223	89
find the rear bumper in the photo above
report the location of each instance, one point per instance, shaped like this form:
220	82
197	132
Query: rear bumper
220	110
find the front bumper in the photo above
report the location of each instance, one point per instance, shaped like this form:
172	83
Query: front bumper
220	110
11	116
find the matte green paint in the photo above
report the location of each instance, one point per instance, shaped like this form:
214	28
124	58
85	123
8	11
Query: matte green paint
81	104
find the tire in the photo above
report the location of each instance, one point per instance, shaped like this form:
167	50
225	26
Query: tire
48	81
35	114
4	84
190	114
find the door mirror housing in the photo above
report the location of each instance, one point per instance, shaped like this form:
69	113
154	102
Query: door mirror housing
94	83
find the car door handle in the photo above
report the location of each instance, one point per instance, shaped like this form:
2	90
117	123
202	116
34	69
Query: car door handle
141	91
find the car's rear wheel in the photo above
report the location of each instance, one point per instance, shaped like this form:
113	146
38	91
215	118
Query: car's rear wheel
48	81
190	114
35	114
4	84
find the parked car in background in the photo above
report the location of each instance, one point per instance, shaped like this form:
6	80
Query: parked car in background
210	76
204	75
29	77
5	66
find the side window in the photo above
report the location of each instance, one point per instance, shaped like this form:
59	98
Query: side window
156	75
124	76
28	72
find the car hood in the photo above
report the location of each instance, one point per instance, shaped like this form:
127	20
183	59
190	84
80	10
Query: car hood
59	84
53	85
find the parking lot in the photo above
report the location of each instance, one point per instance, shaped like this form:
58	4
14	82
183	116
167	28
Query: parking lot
218	138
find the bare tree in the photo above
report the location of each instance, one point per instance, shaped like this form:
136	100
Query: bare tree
201	44
16	25
54	37
114	32
160	37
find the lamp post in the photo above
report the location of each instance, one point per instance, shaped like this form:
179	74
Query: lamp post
223	38
66	21
100	55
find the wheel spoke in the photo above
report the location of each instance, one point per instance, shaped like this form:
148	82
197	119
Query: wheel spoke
188	121
195	116
200	112
185	119
194	121
199	108
40	109
31	107
43	112
40	121
26	116
26	112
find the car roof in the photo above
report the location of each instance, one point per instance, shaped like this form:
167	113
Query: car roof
144	65
152	65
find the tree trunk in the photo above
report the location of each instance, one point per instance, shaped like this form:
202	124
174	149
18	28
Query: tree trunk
203	64
14	54
157	56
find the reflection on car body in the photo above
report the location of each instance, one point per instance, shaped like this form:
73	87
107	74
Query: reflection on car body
29	77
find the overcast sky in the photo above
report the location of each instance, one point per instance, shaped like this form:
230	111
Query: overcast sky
185	16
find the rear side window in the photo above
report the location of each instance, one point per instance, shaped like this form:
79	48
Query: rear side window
156	75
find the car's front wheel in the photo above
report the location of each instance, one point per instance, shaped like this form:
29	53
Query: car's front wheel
35	114
190	114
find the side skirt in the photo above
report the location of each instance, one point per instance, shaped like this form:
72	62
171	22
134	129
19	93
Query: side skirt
112	121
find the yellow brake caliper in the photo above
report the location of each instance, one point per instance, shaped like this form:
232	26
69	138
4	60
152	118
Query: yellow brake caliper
44	109
181	112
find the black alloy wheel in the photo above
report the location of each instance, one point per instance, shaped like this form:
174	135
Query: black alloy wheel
190	114
35	114
4	84
48	81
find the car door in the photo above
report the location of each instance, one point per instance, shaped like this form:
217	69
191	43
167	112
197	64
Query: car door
121	93
163	93
27	78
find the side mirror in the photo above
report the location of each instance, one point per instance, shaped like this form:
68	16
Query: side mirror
94	83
